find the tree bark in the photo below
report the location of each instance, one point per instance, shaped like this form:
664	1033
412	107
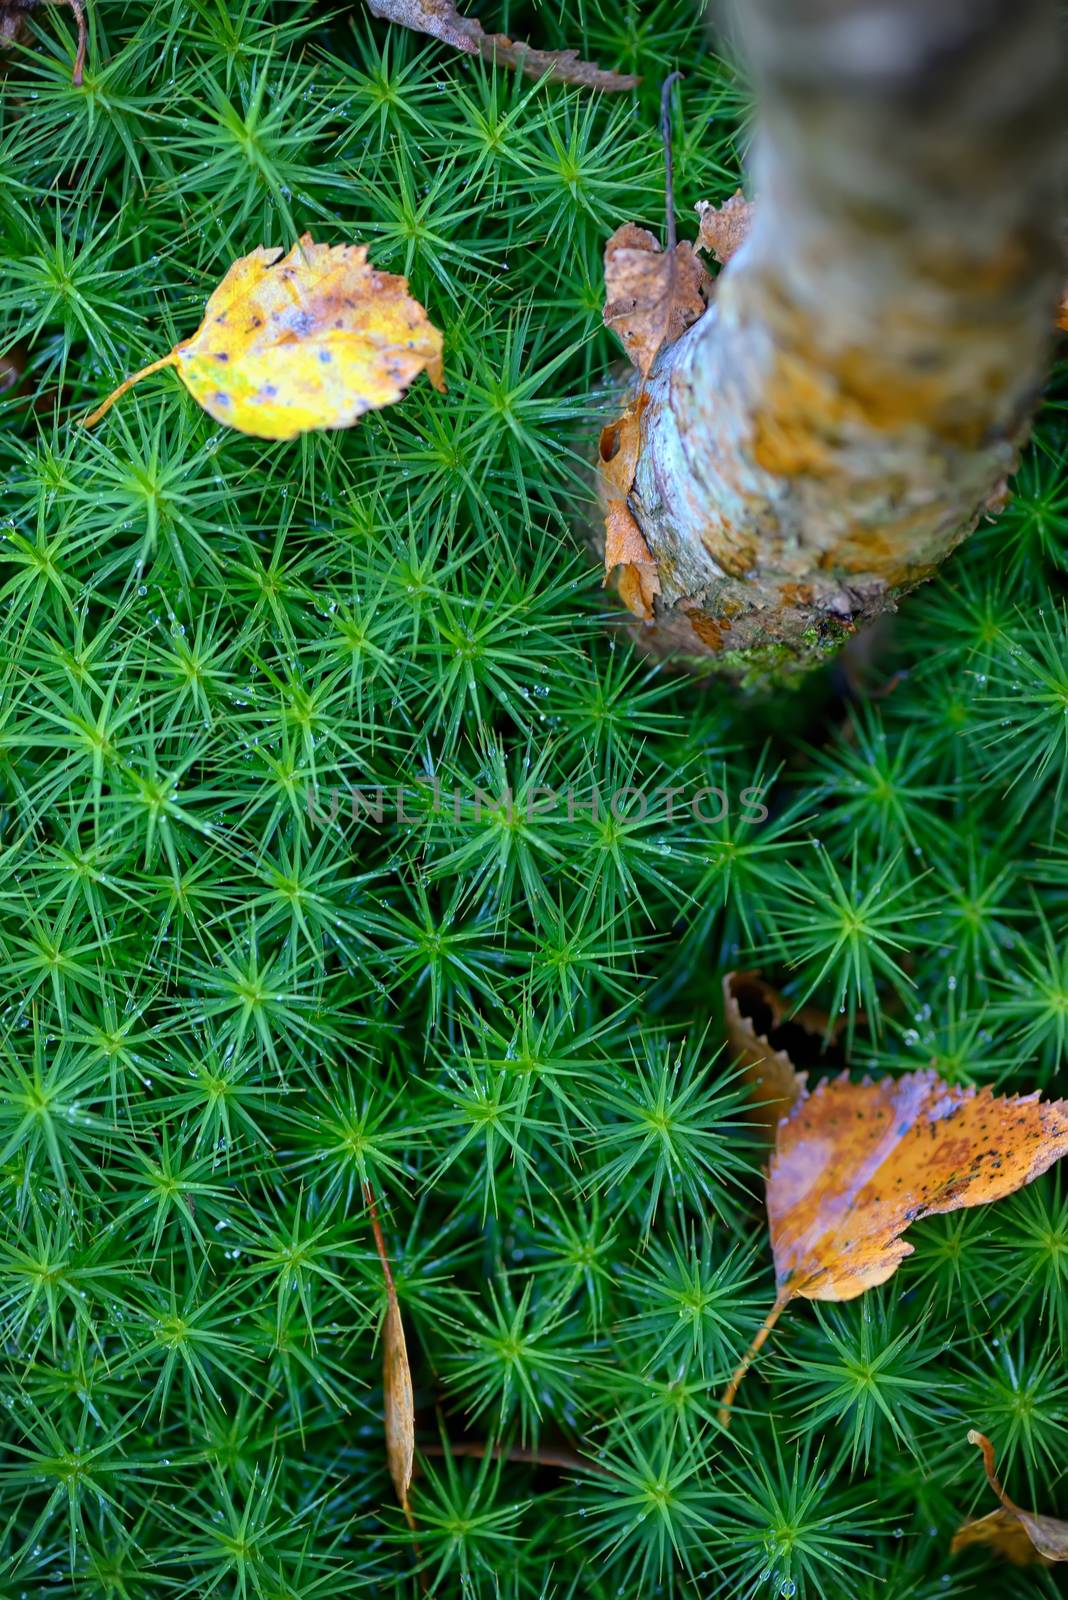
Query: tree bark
856	395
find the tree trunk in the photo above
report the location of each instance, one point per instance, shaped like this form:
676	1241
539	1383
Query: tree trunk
856	395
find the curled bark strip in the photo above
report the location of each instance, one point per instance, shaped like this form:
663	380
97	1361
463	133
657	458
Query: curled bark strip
441	20
625	551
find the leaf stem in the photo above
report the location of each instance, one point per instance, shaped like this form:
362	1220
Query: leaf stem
669	164
782	1300
990	1466
154	366
376	1229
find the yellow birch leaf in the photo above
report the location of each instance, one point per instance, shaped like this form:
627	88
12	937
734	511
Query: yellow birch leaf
310	342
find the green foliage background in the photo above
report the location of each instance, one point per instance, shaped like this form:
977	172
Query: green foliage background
222	1017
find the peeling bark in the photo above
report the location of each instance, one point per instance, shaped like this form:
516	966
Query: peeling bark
856	395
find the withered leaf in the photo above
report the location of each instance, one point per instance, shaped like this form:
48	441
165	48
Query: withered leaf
1023	1537
752	1009
312	342
13	14
441	20
397	1393
651	296
624	544
725	228
619	446
856	1163
638	582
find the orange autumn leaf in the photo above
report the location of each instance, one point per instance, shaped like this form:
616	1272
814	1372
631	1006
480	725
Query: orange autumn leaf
651	295
397	1394
619	446
624	547
856	1164
1023	1537
309	342
624	544
638	585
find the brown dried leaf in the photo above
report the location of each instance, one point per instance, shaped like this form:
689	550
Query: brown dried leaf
856	1163
398	1397
1022	1537
750	1005
624	545
725	228
441	20
639	581
624	542
651	296
619	447
1062	311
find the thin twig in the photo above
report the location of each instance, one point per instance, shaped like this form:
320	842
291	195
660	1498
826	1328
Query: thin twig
566	1460
669	165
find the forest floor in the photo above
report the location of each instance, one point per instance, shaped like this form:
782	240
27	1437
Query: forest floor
233	998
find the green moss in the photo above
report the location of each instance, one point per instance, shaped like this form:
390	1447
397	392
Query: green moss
775	665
